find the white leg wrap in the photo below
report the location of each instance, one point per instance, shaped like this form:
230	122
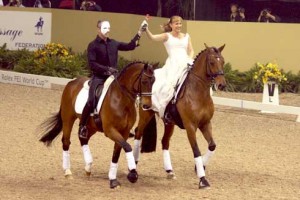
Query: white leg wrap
199	167
206	157
130	160
136	150
167	160
87	154
112	174
66	160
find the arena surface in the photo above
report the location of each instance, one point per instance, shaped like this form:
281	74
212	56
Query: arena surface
257	156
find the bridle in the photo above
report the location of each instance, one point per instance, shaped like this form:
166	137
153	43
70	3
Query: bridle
209	74
137	91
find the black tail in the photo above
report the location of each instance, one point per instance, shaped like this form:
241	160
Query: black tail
52	127
149	137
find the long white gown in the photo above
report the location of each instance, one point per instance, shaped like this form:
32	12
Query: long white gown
170	75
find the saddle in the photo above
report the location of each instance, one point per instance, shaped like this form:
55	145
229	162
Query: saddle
96	116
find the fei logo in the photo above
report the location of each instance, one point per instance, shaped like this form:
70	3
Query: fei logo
39	27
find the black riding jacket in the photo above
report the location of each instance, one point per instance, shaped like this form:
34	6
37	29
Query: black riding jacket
103	54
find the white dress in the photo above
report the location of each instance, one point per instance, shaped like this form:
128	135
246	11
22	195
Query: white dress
167	77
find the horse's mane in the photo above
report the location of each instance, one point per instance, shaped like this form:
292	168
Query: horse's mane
201	52
129	65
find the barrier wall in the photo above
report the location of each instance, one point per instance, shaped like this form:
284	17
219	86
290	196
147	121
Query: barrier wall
246	43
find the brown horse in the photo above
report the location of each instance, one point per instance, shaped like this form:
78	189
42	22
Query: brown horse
117	114
193	109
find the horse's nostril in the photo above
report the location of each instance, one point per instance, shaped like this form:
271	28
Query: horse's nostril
221	87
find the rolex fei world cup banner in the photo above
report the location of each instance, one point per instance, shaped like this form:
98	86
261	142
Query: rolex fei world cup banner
30	30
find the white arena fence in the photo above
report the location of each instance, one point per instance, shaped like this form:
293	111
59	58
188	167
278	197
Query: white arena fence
48	82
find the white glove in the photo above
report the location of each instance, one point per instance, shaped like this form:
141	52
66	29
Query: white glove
144	25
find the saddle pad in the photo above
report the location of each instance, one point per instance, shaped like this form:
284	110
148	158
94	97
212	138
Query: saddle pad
82	96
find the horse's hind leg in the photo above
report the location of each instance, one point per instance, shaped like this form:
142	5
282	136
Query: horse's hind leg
207	133
168	132
67	128
144	119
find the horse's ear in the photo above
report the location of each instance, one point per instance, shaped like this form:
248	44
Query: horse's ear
206	46
146	65
221	48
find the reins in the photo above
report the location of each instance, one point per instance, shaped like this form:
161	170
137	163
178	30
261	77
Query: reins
136	92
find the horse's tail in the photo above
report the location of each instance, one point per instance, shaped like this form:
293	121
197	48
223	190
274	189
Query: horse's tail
52	127
149	137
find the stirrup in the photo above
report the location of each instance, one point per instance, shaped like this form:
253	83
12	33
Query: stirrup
83	132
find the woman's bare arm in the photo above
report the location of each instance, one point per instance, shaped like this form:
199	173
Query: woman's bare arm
158	37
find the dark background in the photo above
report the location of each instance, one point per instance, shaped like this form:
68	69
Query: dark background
288	11
207	10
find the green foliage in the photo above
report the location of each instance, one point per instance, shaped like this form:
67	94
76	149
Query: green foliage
8	58
292	84
245	81
53	66
54	60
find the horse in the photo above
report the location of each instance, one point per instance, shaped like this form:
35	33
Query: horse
192	109
39	24
117	116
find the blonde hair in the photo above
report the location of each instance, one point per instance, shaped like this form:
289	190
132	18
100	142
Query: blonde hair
166	27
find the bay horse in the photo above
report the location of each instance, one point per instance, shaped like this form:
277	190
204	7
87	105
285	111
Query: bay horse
117	114
194	107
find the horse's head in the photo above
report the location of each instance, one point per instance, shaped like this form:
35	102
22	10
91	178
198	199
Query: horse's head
215	66
137	79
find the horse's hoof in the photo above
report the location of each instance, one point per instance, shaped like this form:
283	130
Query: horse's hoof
203	184
171	175
132	176
88	170
88	174
114	184
68	174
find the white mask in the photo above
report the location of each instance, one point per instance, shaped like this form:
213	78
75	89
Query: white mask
105	27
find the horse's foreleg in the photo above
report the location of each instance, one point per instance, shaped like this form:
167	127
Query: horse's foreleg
87	155
168	132
207	133
191	133
112	174
118	138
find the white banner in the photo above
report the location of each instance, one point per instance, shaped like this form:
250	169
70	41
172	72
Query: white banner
25	79
30	30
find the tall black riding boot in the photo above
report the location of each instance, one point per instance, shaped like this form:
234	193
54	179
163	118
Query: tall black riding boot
83	132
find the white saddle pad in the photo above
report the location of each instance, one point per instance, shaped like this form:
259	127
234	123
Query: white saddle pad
82	96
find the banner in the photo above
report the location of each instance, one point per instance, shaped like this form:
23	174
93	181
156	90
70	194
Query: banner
30	30
25	79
